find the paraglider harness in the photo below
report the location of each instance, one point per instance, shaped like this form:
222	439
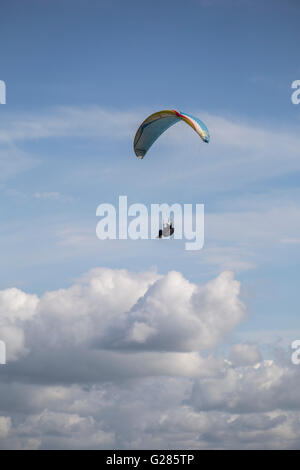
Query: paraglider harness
167	230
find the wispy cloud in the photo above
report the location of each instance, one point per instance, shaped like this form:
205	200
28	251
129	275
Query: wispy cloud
239	153
68	122
14	161
53	196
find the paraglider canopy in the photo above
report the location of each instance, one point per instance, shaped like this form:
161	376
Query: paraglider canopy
158	123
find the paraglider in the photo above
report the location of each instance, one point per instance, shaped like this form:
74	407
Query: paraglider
159	122
167	230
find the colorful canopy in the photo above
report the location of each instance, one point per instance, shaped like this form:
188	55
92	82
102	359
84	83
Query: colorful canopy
158	123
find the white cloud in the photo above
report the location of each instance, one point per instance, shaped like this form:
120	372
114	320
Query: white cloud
180	316
117	310
264	387
80	334
68	122
16	308
67	391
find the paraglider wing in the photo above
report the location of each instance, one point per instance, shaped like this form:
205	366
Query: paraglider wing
158	123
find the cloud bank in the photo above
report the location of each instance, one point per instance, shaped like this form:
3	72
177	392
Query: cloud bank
127	360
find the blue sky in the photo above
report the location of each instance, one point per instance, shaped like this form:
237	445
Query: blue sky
81	75
125	344
233	56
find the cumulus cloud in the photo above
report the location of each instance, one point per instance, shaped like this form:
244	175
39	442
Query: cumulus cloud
16	308
114	324
265	386
176	315
110	311
125	360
